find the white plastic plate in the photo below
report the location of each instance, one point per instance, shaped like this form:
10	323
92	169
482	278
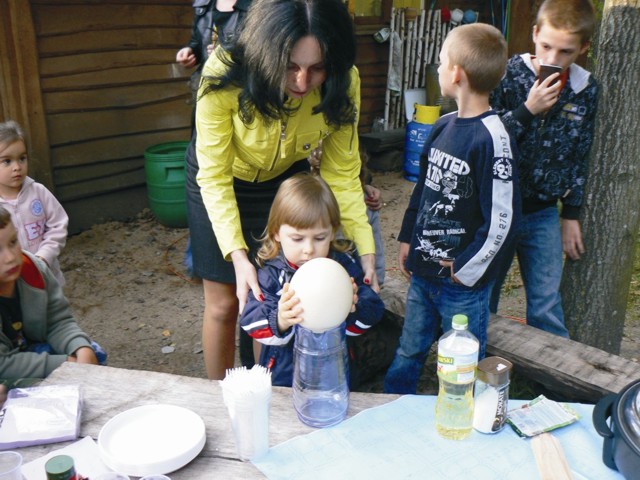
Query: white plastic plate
151	439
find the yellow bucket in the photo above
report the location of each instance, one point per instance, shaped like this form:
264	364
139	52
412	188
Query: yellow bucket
426	114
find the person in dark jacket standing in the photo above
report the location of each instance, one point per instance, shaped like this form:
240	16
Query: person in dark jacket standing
218	20
552	121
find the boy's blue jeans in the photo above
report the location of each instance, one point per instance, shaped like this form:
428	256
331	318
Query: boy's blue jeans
539	247
431	304
101	354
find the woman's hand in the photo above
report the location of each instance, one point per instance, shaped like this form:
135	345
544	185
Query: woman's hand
289	309
355	295
373	197
186	57
246	278
368	263
83	355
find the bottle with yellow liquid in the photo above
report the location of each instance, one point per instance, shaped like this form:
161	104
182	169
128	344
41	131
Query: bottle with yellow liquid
457	363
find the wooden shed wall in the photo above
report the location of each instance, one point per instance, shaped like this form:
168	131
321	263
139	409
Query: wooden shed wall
95	83
110	89
372	59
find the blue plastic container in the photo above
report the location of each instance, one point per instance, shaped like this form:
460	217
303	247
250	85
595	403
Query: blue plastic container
416	136
418	131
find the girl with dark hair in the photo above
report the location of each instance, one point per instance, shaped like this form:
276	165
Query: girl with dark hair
287	88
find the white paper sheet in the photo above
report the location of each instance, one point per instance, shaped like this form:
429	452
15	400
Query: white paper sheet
84	452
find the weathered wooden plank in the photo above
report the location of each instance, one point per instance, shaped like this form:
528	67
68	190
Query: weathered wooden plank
89	172
372	91
116	2
106	61
371	105
373	72
54	19
115	148
141	74
385	140
373	53
92	41
76	127
102	185
119	206
522	18
125	96
574	371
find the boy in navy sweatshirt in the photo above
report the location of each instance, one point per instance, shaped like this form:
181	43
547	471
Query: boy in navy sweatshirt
463	207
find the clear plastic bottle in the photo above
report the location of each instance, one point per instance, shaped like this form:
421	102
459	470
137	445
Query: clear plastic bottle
320	376
457	363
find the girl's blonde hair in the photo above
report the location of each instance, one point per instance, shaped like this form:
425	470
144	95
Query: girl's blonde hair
302	201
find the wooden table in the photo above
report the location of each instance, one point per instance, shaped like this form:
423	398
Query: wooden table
108	391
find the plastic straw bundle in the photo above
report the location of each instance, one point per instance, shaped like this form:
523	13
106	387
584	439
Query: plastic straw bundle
247	395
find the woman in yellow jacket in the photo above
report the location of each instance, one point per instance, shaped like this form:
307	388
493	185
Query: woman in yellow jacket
288	87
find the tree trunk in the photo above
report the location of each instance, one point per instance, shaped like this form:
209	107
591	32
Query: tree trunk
595	288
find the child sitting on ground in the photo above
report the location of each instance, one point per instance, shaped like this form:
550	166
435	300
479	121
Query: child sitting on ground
39	331
40	220
303	223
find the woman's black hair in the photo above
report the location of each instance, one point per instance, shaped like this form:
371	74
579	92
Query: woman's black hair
259	61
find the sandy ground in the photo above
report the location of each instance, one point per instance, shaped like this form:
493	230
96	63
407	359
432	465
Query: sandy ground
129	290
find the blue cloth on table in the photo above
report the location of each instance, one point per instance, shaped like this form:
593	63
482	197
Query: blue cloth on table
399	440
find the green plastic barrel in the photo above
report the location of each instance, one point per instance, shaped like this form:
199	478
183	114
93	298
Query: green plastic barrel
165	173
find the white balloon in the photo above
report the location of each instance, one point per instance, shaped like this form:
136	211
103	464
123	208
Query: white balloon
325	292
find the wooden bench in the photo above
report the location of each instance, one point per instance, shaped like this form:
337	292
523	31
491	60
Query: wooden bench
376	142
385	149
573	370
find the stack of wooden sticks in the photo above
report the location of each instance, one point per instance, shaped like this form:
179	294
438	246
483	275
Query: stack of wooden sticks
420	34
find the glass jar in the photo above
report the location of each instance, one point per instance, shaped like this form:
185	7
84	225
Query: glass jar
491	395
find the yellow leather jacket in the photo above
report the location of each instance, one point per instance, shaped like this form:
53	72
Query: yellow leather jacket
226	148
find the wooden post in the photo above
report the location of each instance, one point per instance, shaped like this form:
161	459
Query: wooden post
387	93
20	93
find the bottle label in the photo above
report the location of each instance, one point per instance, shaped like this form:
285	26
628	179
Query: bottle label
460	368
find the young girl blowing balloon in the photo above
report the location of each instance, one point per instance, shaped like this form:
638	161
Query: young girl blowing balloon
302	226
